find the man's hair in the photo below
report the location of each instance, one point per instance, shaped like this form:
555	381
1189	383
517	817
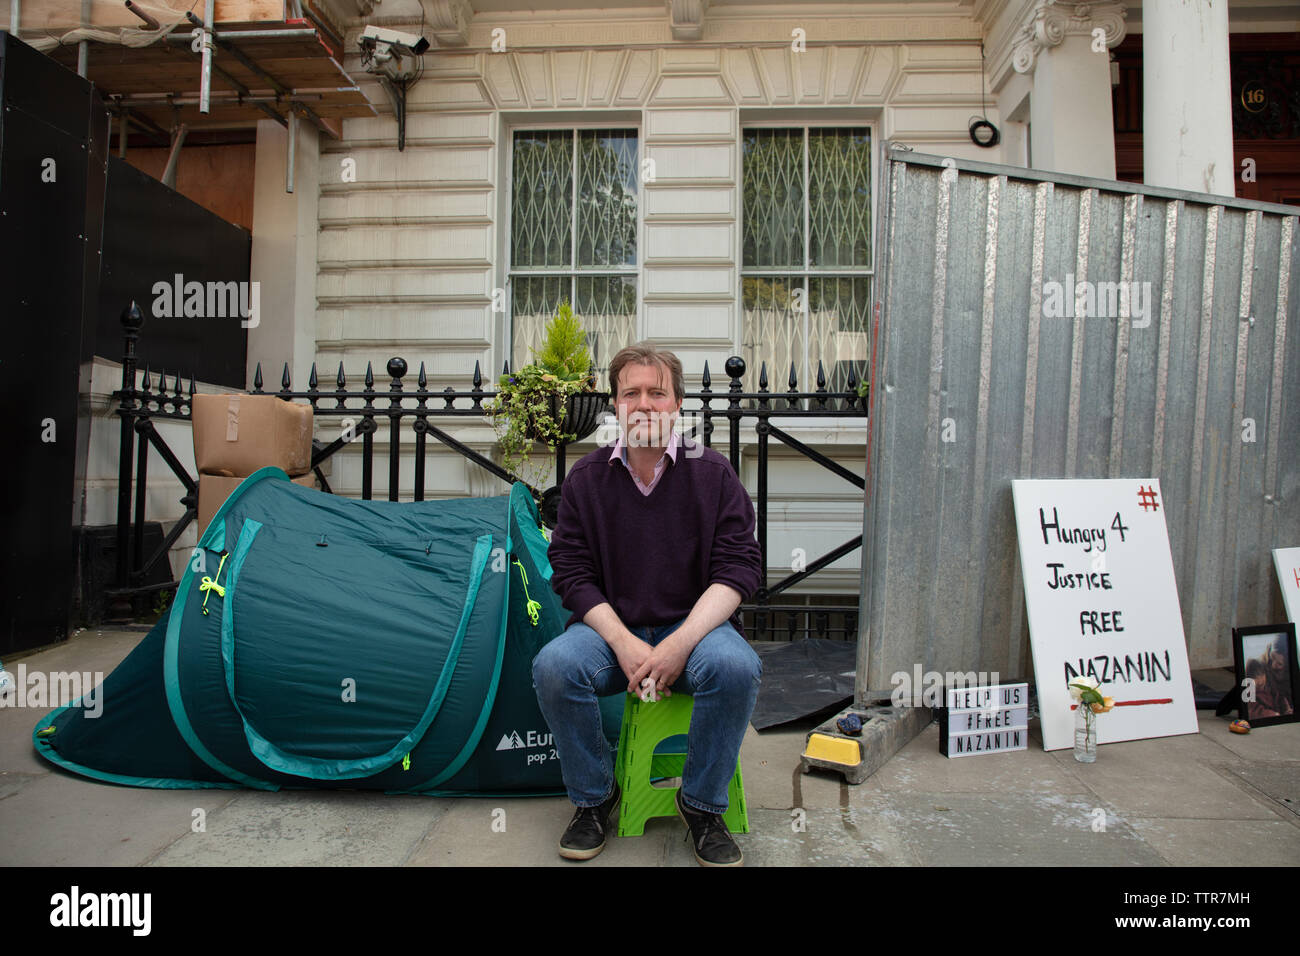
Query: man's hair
645	354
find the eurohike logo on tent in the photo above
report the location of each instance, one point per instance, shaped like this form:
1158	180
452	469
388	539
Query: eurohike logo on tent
512	740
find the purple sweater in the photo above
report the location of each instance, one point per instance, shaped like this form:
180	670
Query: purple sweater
651	557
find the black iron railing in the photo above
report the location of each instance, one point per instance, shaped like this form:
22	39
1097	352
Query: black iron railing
140	405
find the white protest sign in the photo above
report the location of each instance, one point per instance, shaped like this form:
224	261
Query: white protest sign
1287	562
1102	602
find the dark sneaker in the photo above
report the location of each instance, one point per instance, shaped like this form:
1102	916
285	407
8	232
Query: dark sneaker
585	836
709	836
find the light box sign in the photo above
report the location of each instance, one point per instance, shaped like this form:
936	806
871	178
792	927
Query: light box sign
982	720
1103	603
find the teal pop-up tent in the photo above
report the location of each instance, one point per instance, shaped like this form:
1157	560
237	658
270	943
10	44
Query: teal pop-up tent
318	641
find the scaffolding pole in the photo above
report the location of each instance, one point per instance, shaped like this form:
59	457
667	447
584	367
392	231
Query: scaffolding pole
293	143
169	174
205	81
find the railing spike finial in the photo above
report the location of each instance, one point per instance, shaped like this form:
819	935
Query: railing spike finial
257	378
505	367
706	379
192	388
794	379
341	380
478	376
312	380
285	381
370	375
131	317
397	368
762	377
821	376
423	380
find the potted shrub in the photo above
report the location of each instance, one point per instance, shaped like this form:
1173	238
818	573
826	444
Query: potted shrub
553	400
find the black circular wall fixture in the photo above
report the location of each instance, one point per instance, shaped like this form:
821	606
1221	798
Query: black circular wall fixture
985	134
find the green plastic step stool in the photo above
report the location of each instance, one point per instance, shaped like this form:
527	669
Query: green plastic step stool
645	726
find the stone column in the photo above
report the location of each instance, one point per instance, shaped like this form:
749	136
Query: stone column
1186	96
284	254
1064	48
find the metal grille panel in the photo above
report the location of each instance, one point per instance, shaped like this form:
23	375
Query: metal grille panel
977	268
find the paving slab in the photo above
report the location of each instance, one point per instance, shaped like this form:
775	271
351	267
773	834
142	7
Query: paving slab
61	820
17	755
92	649
1222	842
1279	782
769	761
854	836
1279	742
306	828
526	831
920	766
12	782
963	829
1165	777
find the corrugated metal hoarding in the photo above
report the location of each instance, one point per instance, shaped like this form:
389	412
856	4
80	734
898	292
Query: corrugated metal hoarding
992	363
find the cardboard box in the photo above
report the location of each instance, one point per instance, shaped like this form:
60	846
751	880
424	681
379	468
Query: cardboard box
234	435
215	489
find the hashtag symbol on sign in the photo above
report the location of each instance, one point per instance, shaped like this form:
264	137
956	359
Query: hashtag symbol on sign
1147	499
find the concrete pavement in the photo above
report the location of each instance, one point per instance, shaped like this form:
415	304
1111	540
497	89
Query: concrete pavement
1212	798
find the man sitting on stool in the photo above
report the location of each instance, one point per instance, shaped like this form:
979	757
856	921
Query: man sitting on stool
652	554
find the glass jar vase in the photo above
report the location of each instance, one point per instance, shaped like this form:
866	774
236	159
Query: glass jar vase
1085	733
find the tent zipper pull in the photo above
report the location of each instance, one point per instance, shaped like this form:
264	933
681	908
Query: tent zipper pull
533	607
208	585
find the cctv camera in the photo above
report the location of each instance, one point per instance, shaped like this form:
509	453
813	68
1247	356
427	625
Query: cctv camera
406	44
390	53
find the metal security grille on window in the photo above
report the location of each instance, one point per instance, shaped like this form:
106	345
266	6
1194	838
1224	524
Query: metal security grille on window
806	260
573	235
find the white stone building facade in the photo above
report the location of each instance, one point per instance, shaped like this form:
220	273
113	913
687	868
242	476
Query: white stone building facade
704	175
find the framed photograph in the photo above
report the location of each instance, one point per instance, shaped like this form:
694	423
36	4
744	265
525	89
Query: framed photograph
1265	663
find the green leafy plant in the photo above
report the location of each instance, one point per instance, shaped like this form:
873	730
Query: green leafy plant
161	601
564	351
530	403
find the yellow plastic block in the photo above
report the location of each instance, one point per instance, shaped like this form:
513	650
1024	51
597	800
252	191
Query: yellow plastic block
833	750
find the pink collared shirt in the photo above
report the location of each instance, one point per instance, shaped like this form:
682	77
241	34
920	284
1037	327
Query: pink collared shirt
619	454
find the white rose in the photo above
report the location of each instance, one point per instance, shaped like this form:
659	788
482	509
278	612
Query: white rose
1077	686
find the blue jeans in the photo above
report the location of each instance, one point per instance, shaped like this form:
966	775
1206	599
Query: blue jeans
578	667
